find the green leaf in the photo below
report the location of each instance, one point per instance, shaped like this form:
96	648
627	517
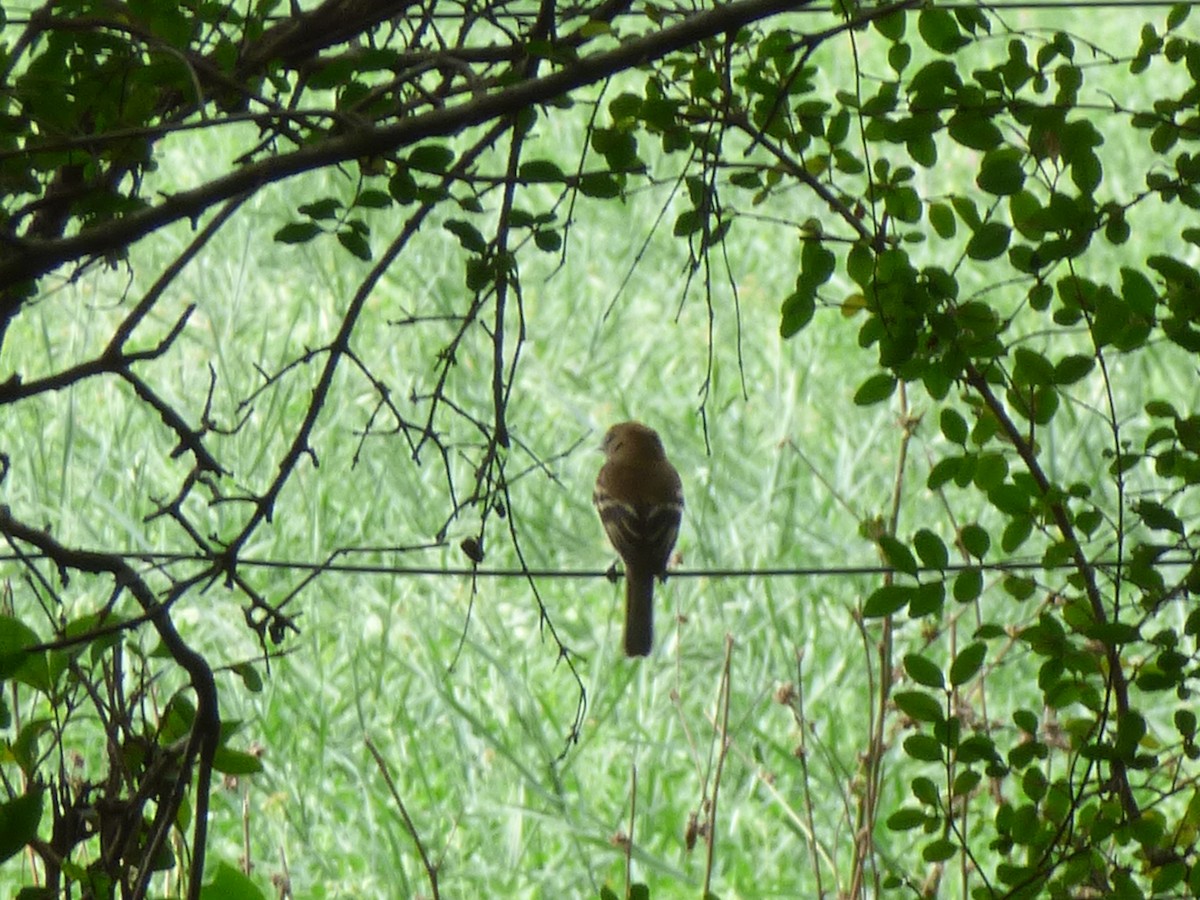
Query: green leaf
939	30
953	426
965	782
926	791
1019	587
1011	498
373	199
903	204
1168	878
227	883
402	186
943	472
796	312
886	600
249	675
817	262
434	158
989	241
1027	214
967	663
892	26
321	209
24	748
973	128
600	185
16	662
875	389
923	671
1016	533
1158	517
468	235
1117	230
176	720
625	106
1026	720
1137	292
1131	728
928	599
920	706
897	555
860	265
1031	368
1034	784
19	820
939	850
538	171
1000	173
595	28
235	762
975	540
547	240
1160	409
356	242
976	748
618	147
923	747
1114	633
1185	722
1087	171
906	819
965	208
88	627
298	232
1071	369
968	585
990	470
688	222
479	273
941	218
931	549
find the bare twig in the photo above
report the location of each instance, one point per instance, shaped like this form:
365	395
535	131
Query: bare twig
431	868
722	751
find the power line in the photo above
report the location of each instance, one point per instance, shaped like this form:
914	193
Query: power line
1013	566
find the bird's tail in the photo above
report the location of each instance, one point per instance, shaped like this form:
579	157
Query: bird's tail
639	613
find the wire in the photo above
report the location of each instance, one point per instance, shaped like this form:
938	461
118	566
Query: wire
735	572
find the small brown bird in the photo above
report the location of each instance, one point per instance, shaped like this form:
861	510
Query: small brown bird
640	501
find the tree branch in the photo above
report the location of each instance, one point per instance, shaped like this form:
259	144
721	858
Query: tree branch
24	260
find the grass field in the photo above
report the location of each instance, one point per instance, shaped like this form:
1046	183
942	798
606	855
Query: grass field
457	683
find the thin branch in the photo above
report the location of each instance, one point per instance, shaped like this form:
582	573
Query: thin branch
722	752
1083	566
431	869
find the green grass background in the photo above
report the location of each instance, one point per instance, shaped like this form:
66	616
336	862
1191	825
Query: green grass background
457	684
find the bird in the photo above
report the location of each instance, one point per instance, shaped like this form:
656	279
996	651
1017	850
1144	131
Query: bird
639	498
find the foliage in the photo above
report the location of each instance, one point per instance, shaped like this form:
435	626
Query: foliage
970	223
